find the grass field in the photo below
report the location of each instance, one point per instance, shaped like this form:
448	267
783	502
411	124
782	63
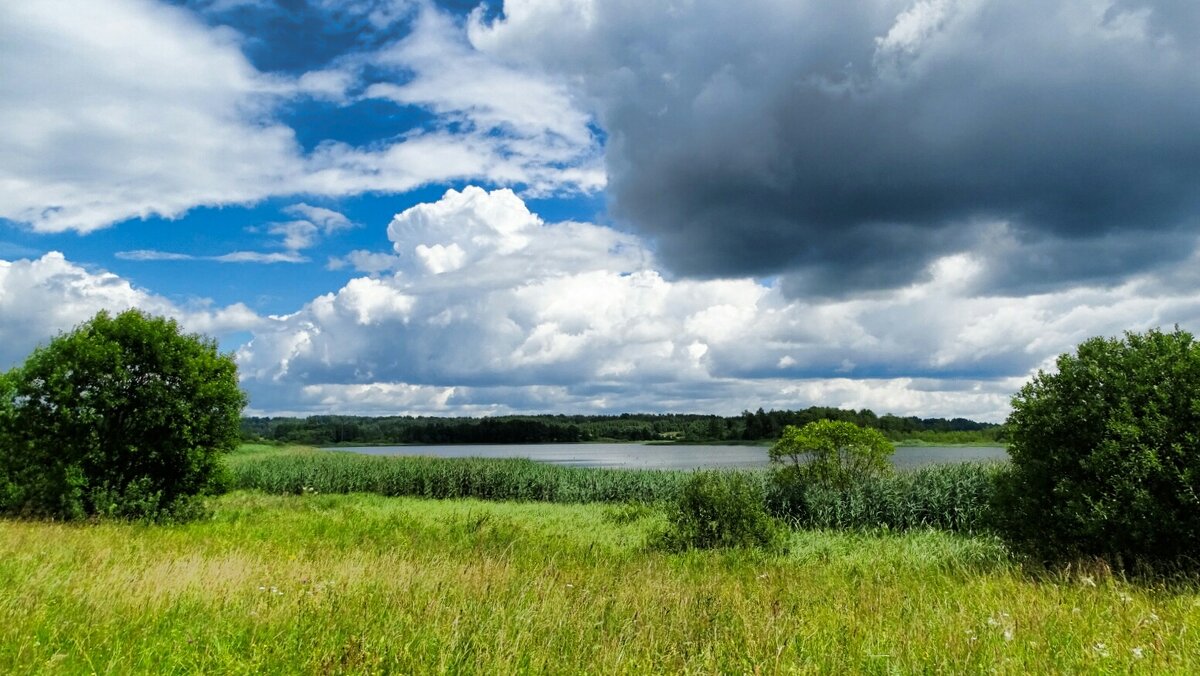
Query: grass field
370	584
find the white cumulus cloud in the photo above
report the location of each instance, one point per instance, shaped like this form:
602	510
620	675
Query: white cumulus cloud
135	108
537	316
41	297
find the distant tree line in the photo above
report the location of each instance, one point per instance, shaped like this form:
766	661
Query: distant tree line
757	426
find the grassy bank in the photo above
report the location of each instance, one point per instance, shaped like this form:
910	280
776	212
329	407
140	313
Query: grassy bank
322	583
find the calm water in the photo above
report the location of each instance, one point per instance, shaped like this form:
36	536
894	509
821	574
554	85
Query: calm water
644	456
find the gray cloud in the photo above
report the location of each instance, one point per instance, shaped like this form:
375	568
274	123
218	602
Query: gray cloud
486	308
846	146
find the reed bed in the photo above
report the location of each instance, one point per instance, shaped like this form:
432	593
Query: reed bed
947	497
518	479
955	498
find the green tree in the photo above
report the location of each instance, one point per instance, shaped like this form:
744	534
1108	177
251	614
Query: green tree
123	416
832	453
1106	453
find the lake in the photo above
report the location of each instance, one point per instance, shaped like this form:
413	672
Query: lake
650	456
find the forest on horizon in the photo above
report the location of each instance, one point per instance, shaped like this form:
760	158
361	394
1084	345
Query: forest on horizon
749	426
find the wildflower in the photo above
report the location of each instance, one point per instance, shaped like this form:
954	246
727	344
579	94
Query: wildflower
1100	649
1137	653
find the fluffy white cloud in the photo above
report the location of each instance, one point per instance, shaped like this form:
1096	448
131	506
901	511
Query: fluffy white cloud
135	108
464	86
40	298
507	125
129	108
535	316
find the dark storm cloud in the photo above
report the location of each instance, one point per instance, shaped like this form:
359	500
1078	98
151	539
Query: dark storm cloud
845	145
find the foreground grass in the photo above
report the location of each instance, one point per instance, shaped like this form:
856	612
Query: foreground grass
359	583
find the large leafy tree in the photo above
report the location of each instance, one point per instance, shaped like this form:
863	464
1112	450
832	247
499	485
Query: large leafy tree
124	416
1106	453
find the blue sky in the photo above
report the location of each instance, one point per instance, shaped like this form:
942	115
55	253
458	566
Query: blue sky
401	206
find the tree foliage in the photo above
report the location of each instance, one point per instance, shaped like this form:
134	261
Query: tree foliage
1106	453
531	429
124	416
832	453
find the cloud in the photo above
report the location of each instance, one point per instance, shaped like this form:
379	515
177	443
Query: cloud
130	108
42	297
847	147
510	126
370	262
135	108
327	220
259	257
153	255
463	86
296	234
231	257
534	316
304	233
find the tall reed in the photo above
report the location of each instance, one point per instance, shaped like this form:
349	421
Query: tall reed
948	497
957	497
486	479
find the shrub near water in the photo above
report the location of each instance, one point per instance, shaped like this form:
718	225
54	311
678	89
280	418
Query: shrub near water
720	510
831	453
832	474
125	417
1106	453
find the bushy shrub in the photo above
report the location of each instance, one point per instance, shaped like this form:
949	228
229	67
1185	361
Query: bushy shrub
721	510
830	453
124	416
1106	453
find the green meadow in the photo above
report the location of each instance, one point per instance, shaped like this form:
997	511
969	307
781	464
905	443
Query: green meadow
365	583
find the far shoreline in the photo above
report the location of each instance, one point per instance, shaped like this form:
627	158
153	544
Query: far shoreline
906	443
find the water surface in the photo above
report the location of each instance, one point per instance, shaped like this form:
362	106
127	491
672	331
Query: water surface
650	456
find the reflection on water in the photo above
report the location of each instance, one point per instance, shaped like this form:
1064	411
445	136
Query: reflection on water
645	456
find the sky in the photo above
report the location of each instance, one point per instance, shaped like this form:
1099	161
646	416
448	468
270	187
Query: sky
394	207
